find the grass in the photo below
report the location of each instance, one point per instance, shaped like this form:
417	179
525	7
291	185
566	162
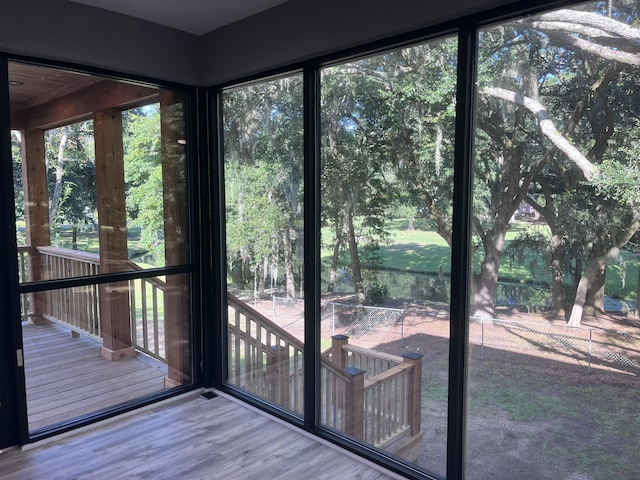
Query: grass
603	452
586	424
417	251
573	424
520	402
87	241
424	251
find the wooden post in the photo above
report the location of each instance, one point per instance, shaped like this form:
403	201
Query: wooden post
176	237
354	408
36	213
414	390
278	373
112	234
338	354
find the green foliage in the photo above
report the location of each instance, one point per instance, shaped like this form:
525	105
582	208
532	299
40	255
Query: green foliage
376	294
263	182
619	181
387	131
143	177
71	176
18	188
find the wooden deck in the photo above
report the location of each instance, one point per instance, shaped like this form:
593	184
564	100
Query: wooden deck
66	377
188	438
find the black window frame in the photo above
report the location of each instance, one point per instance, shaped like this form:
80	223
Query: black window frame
193	268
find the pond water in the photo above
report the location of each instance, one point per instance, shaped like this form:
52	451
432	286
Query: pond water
435	288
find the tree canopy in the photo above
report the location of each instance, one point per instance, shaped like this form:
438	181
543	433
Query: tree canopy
557	128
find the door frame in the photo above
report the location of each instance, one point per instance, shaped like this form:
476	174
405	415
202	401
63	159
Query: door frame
13	407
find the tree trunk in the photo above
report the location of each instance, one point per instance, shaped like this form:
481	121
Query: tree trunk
57	189
74	236
590	275
638	295
557	261
290	283
258	281
594	303
485	285
356	270
337	242
411	227
595	267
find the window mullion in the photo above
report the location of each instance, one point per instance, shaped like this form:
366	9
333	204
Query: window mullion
461	251
311	245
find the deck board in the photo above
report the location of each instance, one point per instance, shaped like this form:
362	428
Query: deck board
188	438
66	377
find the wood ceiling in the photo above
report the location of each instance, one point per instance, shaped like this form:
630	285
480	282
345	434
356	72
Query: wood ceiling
43	97
32	85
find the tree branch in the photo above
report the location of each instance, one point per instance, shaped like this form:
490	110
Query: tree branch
441	223
618	41
574	19
546	126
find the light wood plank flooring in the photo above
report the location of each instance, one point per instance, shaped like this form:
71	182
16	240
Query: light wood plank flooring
66	377
188	438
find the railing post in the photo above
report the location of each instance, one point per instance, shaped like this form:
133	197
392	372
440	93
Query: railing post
338	354
354	403
278	372
414	391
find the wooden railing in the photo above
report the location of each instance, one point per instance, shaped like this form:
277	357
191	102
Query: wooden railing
23	276
391	390
372	396
264	358
79	307
146	303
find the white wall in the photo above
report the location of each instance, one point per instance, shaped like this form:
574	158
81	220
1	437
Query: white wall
61	30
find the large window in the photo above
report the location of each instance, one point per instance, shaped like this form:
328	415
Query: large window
101	189
387	124
553	383
264	196
547	335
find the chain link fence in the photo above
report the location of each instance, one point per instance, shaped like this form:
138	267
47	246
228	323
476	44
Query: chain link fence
360	320
338	318
588	345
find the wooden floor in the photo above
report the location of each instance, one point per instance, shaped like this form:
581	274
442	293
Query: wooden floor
66	377
188	438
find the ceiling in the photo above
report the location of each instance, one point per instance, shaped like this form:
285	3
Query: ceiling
193	16
32	85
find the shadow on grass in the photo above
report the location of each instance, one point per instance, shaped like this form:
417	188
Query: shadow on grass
531	415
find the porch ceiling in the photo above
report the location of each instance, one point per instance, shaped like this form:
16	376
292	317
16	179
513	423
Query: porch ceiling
32	85
42	97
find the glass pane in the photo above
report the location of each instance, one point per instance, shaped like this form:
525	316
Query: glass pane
553	389
109	191
263	169
96	346
387	170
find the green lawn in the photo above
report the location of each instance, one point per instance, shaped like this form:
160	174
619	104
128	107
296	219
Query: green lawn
424	251
87	241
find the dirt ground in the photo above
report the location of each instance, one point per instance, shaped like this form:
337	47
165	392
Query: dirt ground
537	408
